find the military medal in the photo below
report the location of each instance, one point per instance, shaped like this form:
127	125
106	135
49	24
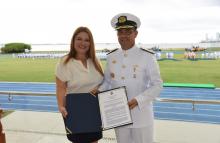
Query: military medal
112	75
135	67
134	75
123	66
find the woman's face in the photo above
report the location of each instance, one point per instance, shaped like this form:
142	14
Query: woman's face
82	43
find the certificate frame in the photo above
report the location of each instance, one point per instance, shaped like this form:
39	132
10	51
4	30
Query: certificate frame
114	109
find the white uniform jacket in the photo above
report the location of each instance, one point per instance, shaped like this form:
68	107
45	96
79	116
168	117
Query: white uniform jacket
138	71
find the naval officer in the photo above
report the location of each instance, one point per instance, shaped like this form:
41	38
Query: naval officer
138	71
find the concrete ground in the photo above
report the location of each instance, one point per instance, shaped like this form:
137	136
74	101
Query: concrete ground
45	127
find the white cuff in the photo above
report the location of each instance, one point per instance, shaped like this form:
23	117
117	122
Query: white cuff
140	99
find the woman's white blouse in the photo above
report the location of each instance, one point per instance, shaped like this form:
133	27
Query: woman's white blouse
79	78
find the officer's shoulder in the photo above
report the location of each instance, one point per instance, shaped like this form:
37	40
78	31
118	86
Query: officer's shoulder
112	51
148	51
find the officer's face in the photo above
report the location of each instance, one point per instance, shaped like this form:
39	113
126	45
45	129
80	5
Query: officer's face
126	37
82	43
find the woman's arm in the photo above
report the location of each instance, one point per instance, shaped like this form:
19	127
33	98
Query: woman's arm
60	93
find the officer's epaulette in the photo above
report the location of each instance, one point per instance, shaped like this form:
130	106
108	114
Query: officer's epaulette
112	51
149	51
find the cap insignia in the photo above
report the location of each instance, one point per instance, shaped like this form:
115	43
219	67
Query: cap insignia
122	19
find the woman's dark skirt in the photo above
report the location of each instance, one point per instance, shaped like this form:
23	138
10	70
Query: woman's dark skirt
84	137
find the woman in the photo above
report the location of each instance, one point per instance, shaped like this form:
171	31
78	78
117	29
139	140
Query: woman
79	72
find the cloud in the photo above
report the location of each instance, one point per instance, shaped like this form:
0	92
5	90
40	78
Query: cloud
44	21
205	3
185	21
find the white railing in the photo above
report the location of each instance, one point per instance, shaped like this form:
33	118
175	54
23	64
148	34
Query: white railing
189	101
193	101
26	93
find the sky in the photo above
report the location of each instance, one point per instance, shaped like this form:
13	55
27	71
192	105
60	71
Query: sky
54	21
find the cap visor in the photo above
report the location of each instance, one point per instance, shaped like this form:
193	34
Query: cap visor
124	27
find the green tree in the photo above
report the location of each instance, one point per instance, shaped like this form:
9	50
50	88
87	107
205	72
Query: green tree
15	48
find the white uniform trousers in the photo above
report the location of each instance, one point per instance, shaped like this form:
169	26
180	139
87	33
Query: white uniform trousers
134	135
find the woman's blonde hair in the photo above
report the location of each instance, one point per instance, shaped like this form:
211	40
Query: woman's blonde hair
91	52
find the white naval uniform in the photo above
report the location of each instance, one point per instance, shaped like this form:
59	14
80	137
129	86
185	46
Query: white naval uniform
138	71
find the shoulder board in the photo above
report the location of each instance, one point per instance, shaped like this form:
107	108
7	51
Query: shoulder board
112	51
149	51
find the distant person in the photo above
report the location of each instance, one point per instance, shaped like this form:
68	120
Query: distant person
170	55
167	55
79	72
192	55
211	55
186	55
218	54
215	55
137	70
207	55
202	56
158	55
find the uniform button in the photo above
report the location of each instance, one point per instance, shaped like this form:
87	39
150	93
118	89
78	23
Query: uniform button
112	75
122	78
125	55
134	75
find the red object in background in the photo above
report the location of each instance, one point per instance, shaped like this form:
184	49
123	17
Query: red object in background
2	135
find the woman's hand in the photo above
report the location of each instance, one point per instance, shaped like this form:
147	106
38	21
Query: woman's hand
94	91
63	111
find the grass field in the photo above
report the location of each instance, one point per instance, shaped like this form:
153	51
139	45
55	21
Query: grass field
27	70
181	71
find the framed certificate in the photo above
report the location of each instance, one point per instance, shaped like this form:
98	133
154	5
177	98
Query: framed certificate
114	108
88	113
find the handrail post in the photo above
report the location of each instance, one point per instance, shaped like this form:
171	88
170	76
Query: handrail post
9	97
2	134
193	105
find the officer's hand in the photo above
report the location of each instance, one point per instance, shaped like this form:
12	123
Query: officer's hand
63	111
133	103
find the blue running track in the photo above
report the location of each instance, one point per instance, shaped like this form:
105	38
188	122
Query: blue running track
205	113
